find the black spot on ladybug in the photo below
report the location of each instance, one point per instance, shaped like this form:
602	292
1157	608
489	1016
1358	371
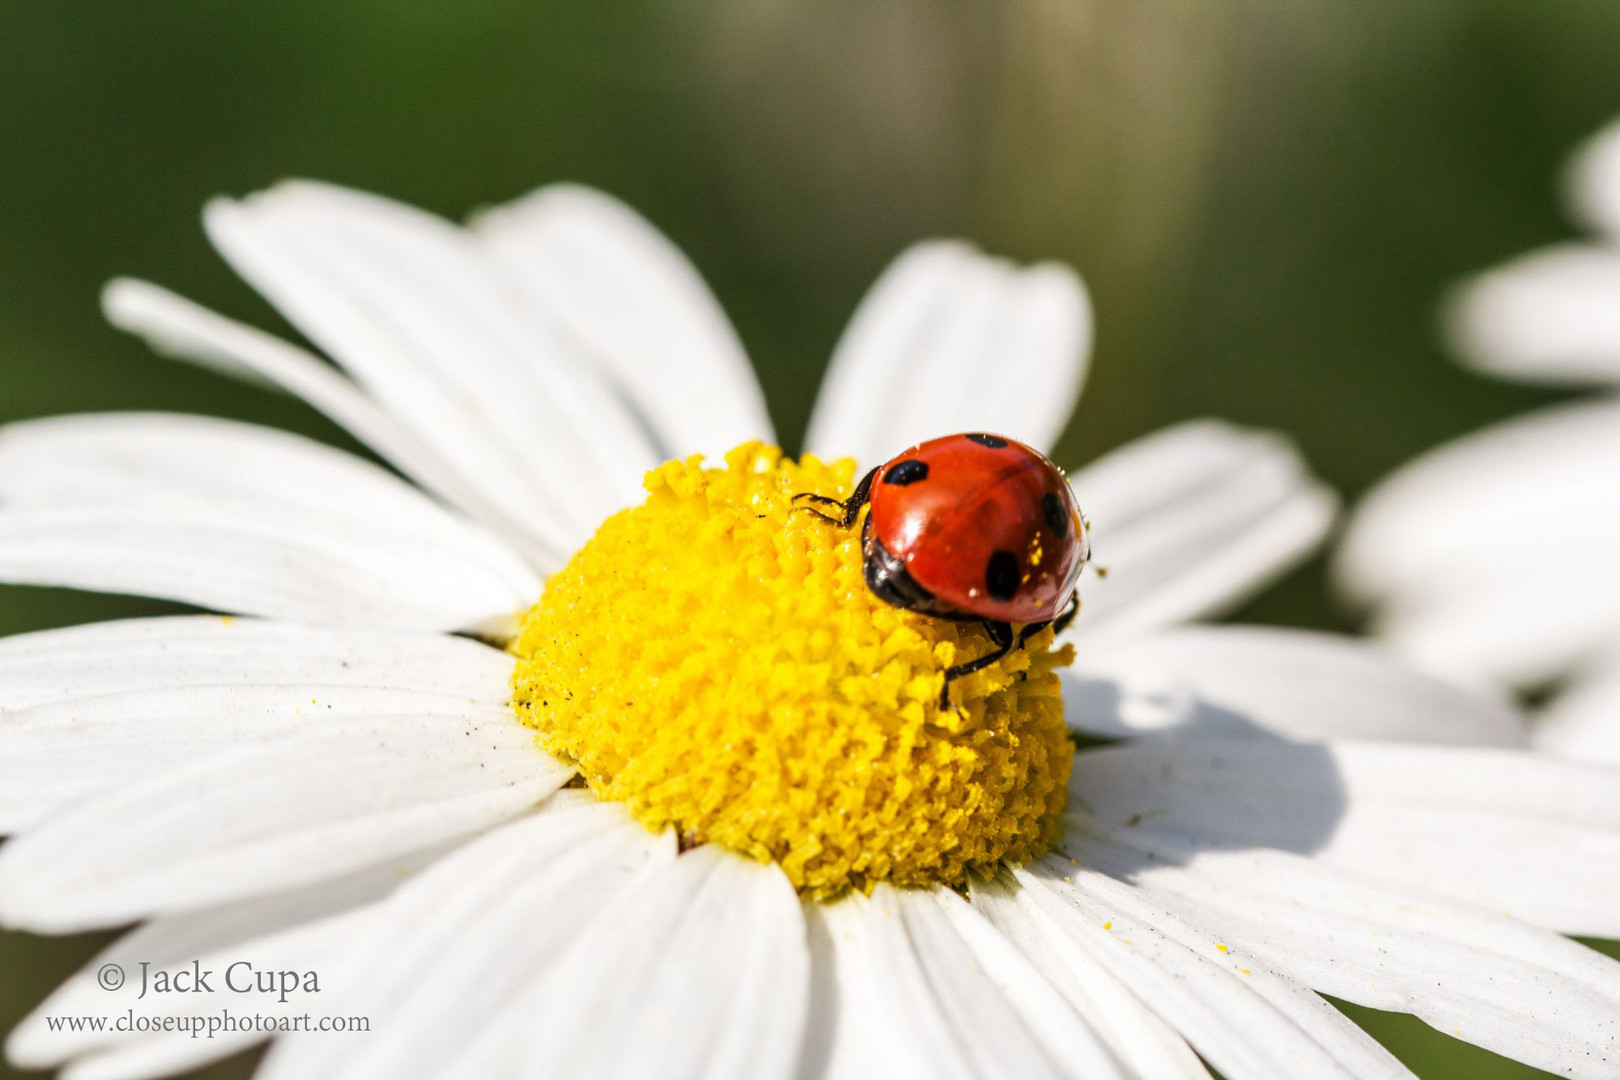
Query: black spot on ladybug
907	472
994	442
1056	516
1001	576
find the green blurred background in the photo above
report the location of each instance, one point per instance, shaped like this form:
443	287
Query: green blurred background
1266	198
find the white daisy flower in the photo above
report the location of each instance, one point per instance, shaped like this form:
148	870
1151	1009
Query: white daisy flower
840	878
1491	560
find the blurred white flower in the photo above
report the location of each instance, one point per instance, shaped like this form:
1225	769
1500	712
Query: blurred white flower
1493	560
338	783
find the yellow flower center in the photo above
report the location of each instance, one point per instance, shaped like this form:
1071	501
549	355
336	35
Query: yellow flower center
714	660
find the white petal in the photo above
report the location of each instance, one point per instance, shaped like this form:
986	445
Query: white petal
1230	680
453	949
1479	501
1490	980
435	331
241	518
79	663
838	1041
308	929
701	970
628	300
54	755
1527	632
1143	1043
1494	553
1594	180
178	328
293	809
1189	521
162	1055
89	706
951	340
1552	316
1245	1020
1584	721
1070	1036
935	991
1531	836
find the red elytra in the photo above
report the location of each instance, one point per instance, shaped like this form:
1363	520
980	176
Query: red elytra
972	527
984	525
969	527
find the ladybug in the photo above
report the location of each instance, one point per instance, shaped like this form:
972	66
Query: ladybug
974	528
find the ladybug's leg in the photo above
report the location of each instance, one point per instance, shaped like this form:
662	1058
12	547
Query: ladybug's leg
1030	630
848	509
1068	615
1002	635
1060	624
